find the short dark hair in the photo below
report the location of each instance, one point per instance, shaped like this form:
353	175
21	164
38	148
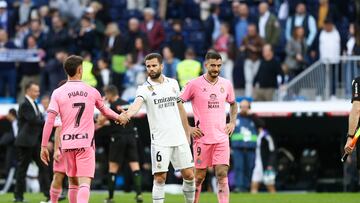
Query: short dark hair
12	111
212	55
29	84
111	89
71	64
153	56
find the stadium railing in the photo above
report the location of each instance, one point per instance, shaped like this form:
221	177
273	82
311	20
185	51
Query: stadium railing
324	80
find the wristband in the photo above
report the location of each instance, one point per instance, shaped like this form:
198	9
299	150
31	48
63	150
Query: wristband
348	135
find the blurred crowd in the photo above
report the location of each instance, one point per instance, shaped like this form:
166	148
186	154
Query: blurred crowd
264	44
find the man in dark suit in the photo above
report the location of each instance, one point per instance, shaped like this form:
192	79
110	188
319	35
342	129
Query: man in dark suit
30	122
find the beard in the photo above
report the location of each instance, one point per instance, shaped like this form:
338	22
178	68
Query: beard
214	74
154	75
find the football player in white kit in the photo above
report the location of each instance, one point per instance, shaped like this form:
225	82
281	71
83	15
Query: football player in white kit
169	129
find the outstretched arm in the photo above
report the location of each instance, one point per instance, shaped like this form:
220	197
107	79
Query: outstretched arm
134	107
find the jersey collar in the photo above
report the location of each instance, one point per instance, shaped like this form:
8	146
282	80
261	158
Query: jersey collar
152	83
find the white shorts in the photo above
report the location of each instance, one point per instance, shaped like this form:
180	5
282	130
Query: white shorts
258	173
179	156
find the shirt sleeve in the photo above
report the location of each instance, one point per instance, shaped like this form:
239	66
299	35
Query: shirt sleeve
53	106
140	92
355	90
57	122
99	103
230	98
186	93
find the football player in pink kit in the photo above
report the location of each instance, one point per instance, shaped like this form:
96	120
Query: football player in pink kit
74	102
209	94
58	165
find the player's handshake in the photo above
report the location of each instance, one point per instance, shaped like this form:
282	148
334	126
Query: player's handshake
123	119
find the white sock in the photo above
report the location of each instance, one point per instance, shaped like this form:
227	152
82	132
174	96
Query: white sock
158	193
189	190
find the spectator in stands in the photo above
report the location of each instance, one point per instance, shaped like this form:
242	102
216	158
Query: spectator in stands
85	35
88	76
329	43
266	79
58	37
177	40
296	49
170	62
268	24
241	24
251	49
30	71
98	26
303	19
30	122
53	72
351	69
141	50
114	42
243	145
44	17
189	68
134	76
133	33
136	4
72	10
24	11
103	73
6	19
326	10
36	30
22	32
212	25
154	30
7	69
224	46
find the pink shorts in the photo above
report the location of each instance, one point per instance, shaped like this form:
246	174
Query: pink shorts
208	155
80	162
59	166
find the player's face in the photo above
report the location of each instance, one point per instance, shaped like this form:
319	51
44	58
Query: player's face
213	67
154	68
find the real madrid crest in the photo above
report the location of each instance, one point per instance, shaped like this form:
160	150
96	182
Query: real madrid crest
150	88
222	90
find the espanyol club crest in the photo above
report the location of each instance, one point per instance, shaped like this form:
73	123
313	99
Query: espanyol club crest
222	90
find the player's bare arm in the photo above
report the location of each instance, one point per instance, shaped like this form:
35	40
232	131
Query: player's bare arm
49	124
231	125
353	123
184	120
132	110
57	144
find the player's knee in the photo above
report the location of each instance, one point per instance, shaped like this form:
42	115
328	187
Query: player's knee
199	179
73	181
188	174
221	174
160	179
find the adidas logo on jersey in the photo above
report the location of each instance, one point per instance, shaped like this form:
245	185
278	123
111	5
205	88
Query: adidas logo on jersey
153	94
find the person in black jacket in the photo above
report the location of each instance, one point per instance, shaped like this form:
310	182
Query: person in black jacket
30	122
264	171
266	79
123	145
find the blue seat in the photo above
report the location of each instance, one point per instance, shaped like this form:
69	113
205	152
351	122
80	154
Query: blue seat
7	100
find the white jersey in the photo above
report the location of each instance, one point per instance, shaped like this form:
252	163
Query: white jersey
165	124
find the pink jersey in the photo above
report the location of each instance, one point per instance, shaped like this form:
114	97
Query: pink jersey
74	102
208	103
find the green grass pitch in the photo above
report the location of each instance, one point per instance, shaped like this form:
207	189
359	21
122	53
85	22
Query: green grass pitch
211	198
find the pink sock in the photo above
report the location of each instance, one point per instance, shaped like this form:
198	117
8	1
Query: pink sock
223	190
54	194
84	193
72	193
197	193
